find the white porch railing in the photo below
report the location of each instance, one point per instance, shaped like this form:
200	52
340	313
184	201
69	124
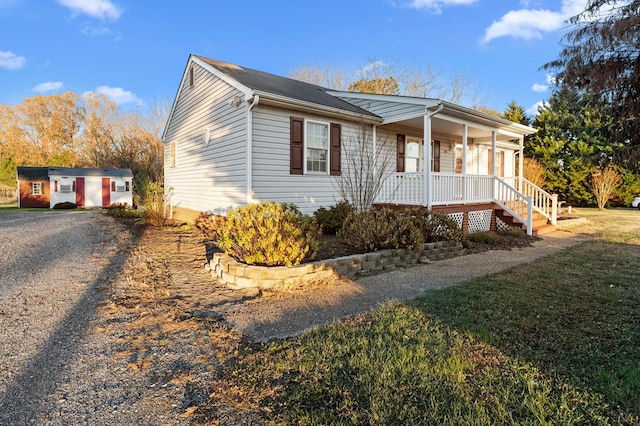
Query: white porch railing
455	188
403	188
544	203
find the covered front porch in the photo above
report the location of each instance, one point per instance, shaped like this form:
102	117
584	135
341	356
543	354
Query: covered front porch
473	158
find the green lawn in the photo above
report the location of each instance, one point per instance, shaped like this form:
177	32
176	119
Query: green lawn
555	342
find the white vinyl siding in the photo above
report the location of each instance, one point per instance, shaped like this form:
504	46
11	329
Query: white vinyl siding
271	155
208	178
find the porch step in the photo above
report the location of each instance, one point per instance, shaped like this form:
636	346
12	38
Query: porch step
544	229
540	224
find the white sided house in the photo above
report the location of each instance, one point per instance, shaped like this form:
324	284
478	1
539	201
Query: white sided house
237	135
85	187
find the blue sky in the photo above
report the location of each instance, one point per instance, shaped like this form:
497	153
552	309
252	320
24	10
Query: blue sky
135	51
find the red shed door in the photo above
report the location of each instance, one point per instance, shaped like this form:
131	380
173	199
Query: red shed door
106	192
80	192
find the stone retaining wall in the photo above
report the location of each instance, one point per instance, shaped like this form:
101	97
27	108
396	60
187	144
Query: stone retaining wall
238	275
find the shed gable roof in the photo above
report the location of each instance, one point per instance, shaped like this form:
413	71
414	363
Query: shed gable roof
32	173
43	173
73	171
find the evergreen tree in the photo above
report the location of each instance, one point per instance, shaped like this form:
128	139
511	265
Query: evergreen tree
517	114
574	137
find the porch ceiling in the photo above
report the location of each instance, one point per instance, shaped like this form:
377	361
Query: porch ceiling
440	125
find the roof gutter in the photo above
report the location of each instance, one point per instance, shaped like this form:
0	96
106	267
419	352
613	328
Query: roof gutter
310	107
252	101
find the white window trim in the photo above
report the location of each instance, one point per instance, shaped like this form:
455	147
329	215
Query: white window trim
306	133
40	187
413	139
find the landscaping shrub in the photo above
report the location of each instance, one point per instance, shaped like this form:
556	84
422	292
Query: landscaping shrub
66	205
384	228
209	224
270	234
514	232
331	220
154	205
483	238
439	227
122	210
377	229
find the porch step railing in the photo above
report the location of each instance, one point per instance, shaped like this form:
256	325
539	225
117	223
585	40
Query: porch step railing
511	200
544	203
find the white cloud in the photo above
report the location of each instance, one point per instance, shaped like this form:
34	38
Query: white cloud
530	24
49	86
551	79
119	95
100	9
436	5
11	61
372	66
539	87
533	109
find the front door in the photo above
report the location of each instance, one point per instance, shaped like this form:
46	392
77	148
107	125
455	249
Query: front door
80	191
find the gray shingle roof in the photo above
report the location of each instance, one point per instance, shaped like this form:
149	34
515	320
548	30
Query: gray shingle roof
283	86
43	173
72	171
33	173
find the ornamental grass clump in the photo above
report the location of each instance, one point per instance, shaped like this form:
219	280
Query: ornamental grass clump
268	234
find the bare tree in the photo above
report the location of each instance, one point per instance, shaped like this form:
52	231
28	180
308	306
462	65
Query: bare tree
367	164
603	183
383	77
322	76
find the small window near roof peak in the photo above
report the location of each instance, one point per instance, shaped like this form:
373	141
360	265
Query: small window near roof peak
191	78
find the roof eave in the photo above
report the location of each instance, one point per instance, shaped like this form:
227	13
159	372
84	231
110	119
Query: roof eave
267	98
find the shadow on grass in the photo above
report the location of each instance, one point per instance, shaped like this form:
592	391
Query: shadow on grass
556	341
575	315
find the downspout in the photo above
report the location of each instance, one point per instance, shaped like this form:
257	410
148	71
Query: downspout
427	153
251	103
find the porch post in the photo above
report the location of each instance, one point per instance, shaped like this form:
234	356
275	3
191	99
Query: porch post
375	152
465	137
427	160
521	164
493	153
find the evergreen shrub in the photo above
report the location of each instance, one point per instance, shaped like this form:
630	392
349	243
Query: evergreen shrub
268	234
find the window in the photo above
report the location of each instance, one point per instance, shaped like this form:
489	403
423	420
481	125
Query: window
119	186
317	147
172	154
36	188
412	156
191	77
499	163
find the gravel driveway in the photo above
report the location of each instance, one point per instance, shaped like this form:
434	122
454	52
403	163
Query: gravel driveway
54	272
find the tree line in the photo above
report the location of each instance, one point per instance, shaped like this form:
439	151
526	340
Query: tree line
68	130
